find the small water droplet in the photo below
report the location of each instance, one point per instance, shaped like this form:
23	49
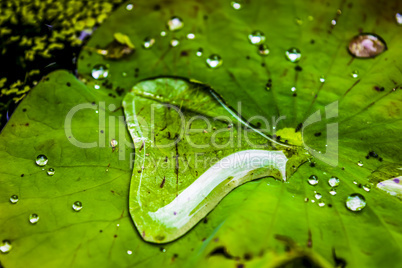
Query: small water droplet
199	52
100	71
317	196
33	218
322	78
366	45
5	246
293	89
398	17
190	36
332	192
50	172
312	201
256	38
293	54
174	42
355	74
313	180
175	24
41	160
355	202
237	5
148	42
214	61
360	163
129	252
14	199
163	33
124	74
333	181
306	199
77	206
130	7
333	22
97	86
163	249
321	204
263	50
113	143
367	187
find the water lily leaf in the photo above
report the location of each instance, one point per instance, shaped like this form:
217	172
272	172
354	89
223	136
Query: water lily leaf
190	155
265	222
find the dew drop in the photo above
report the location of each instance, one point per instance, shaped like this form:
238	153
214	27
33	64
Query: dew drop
174	42
256	38
129	252
214	61
5	246
333	181
293	89
190	36
355	74
366	45
322	78
333	22
263	50
50	172
14	199
321	204
113	143
77	206
96	86
33	218
367	187
163	33
100	71
313	180
398	17
355	202
293	54
175	24
130	7
332	192
306	199
148	42
199	52
317	196
41	160
163	249
360	163
237	5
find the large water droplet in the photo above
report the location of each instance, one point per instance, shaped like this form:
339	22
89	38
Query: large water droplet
398	17
367	187
33	218
238	4
355	74
100	71
293	54
333	181
50	172
256	38
14	199
263	50
175	24
355	202
41	160
360	163
5	246
77	206
313	180
148	42
366	45
214	61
